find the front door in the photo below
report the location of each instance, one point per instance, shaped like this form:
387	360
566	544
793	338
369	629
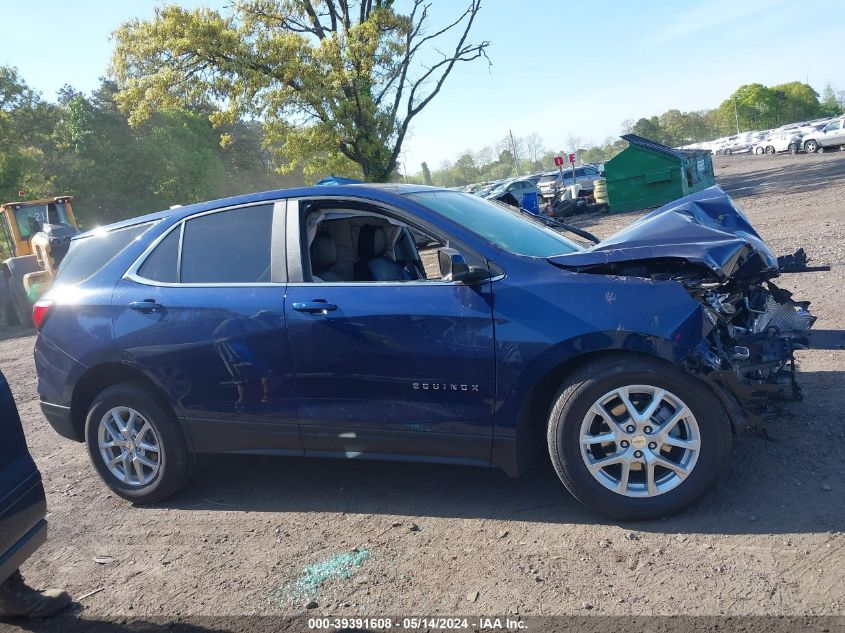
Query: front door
401	366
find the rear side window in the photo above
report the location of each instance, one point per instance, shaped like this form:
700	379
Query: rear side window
162	262
89	255
228	247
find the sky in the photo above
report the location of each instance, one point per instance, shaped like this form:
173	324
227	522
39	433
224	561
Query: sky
559	68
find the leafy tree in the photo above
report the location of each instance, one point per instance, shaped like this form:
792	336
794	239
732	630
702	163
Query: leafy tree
337	82
831	103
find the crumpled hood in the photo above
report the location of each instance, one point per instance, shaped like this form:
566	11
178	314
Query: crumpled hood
704	228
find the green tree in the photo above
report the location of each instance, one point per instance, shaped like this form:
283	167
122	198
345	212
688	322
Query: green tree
336	82
830	105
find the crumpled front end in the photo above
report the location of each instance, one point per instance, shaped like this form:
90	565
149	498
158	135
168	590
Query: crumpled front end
750	352
706	243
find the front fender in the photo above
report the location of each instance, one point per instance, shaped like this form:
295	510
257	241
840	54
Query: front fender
553	320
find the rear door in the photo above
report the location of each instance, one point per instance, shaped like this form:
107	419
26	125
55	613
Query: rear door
22	504
202	313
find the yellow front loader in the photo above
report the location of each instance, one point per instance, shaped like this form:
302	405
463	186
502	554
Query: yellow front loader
34	237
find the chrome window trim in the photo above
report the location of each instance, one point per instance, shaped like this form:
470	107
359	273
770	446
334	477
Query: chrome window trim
131	273
410	282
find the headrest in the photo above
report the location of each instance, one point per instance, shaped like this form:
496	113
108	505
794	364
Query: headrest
323	251
372	242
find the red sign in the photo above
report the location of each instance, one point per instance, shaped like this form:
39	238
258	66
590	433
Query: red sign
572	159
558	161
21	194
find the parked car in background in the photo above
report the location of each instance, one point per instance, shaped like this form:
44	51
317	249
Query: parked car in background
23	507
517	187
830	136
283	323
733	145
550	183
487	188
778	141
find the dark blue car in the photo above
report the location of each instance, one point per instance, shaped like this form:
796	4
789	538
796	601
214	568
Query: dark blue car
23	508
414	323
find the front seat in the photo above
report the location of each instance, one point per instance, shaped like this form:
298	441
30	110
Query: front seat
372	264
323	258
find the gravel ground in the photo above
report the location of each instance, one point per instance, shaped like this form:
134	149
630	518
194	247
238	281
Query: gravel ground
255	535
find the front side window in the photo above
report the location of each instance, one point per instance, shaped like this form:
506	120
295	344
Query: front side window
833	126
511	230
356	245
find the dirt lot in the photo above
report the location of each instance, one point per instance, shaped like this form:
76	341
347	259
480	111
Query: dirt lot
399	539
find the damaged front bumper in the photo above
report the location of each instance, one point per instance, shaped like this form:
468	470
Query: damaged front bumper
749	355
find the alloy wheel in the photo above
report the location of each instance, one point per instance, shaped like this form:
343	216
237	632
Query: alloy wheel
640	441
129	446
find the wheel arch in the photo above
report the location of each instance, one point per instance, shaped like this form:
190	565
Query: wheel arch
529	442
101	377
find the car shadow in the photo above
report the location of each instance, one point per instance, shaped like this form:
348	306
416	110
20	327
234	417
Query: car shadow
763	492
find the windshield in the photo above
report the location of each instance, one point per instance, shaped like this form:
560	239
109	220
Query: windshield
511	230
32	218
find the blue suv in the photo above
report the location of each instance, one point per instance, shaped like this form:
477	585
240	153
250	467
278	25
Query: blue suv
413	323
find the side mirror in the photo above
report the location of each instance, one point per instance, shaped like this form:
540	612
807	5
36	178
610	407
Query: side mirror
453	267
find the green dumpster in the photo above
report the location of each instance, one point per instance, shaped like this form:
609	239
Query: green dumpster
647	174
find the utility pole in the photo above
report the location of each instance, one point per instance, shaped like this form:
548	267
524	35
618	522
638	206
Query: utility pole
513	151
736	114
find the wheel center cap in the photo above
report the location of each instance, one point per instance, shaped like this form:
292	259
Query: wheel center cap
638	441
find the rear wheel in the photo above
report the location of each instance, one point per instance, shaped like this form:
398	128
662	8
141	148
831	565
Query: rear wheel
770	150
135	444
728	151
637	438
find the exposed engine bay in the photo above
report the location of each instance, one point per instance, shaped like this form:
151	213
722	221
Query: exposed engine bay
752	327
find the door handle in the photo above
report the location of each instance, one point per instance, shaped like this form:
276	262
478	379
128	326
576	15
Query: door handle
318	306
147	305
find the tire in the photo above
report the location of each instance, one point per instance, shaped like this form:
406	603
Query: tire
708	425
770	150
728	151
172	460
23	316
811	147
10	315
793	148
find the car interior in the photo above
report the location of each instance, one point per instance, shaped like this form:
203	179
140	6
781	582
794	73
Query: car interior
362	246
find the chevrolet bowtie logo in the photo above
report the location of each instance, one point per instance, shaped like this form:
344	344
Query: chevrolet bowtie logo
443	386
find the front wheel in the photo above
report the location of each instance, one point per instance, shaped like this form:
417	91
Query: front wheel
636	438
810	147
770	150
728	152
135	444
